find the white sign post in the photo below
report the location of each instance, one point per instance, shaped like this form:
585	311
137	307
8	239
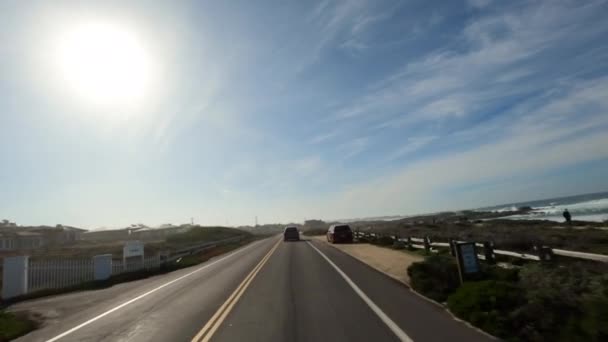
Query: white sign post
132	249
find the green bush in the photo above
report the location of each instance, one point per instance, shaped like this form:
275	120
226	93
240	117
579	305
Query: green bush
539	302
594	323
564	303
13	326
487	304
436	277
398	245
384	241
202	234
493	272
315	231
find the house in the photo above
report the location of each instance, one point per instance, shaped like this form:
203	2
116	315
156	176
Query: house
10	241
58	235
135	232
14	237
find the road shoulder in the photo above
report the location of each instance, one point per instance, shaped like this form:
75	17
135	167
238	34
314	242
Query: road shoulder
393	263
416	315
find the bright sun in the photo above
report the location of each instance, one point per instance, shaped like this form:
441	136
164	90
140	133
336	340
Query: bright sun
103	64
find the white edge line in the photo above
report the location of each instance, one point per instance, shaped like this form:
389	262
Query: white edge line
384	317
145	294
427	299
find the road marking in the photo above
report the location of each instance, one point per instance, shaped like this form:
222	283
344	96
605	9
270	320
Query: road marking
205	334
384	317
147	294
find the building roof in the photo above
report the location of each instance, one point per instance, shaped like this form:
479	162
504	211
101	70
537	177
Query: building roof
18	234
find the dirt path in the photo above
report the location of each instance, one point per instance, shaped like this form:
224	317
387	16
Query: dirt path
391	262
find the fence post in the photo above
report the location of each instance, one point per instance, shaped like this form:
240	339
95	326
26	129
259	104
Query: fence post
427	244
452	247
545	253
488	251
102	266
14	276
409	242
164	256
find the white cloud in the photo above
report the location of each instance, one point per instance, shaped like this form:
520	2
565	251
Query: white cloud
511	94
504	57
479	3
413	144
354	147
344	22
354	45
317	139
537	141
306	166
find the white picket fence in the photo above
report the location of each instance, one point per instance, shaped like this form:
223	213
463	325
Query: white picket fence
56	274
22	275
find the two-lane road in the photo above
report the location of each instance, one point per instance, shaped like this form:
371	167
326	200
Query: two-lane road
267	291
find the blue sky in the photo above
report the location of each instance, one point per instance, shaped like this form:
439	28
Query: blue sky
301	109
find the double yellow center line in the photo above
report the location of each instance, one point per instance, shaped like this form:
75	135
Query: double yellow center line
218	318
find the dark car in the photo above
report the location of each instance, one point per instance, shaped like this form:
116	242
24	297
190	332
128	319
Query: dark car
340	233
291	233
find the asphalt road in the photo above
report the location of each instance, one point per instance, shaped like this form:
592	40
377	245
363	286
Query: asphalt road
267	291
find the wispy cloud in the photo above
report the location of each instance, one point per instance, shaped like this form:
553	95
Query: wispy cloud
494	65
329	109
413	144
324	136
479	3
354	147
343	24
496	89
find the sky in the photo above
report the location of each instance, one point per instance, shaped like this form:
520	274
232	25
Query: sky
115	112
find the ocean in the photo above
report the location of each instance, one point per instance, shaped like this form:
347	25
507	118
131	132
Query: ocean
588	207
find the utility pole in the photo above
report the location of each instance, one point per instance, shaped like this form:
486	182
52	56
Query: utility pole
192	221
256	221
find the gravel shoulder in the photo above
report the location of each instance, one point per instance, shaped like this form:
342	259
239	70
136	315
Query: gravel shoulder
393	263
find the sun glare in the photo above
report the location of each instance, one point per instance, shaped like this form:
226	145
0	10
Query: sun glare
103	64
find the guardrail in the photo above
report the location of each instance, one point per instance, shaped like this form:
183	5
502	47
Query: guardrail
543	253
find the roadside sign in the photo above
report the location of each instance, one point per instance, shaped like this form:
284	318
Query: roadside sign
132	249
468	263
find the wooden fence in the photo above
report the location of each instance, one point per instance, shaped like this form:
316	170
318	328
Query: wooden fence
541	252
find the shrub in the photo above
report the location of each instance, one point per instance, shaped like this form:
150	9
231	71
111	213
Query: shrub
315	231
563	303
201	234
487	304
384	241
398	245
364	240
594	323
13	326
436	277
498	273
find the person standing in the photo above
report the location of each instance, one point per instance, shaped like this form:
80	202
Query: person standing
567	216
